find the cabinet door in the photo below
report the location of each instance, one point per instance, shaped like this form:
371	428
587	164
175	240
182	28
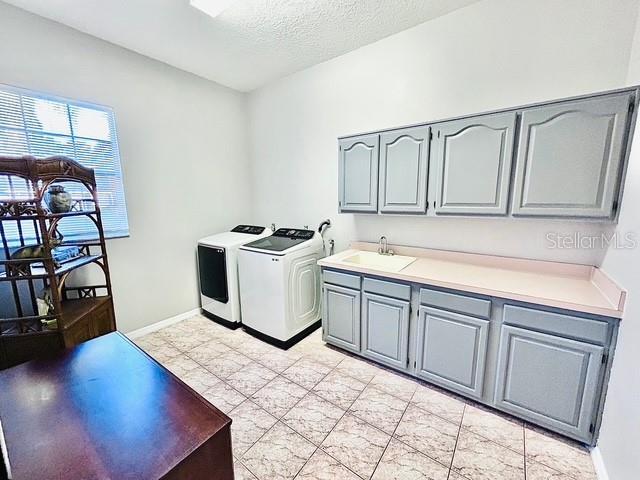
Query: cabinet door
358	174
341	319
552	381
404	161
451	350
473	164
385	330
570	156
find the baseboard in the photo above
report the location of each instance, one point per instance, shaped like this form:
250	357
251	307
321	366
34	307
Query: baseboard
162	324
598	463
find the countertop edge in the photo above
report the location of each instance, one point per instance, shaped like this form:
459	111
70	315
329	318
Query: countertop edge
565	305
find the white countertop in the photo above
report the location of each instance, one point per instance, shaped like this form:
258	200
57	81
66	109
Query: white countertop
582	288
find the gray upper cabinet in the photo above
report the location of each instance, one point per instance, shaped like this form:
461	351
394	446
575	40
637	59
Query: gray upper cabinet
550	380
404	162
473	164
570	156
451	350
560	159
341	317
385	329
358	174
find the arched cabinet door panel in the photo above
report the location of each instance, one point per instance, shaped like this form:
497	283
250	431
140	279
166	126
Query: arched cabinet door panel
358	174
404	164
473	164
570	156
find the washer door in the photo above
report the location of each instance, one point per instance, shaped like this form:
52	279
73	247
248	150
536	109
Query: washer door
212	265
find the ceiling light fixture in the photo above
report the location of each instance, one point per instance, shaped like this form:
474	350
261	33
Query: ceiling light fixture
213	8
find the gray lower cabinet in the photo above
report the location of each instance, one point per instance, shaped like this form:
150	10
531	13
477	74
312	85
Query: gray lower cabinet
552	381
543	365
404	161
570	156
451	350
473	164
341	317
358	174
385	329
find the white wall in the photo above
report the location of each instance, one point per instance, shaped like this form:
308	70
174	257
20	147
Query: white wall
620	433
492	54
185	166
182	143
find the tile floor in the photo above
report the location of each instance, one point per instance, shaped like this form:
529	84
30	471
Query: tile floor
314	412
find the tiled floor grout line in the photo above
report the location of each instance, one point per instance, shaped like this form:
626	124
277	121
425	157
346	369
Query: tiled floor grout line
455	446
245	466
334	369
307	355
279	420
409	403
338	421
319	445
555	469
490	440
334	426
427	385
466	429
223	380
311	390
392	437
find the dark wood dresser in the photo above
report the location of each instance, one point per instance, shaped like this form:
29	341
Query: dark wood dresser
106	410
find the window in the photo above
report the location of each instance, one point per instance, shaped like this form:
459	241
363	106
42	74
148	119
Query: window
36	124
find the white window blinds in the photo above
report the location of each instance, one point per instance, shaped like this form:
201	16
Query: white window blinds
36	124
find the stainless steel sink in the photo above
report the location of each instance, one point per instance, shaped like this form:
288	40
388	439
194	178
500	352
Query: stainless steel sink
390	263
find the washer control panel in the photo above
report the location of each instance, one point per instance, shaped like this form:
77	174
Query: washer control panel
248	229
294	233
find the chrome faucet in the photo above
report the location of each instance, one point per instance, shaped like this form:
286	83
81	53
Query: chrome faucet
383	247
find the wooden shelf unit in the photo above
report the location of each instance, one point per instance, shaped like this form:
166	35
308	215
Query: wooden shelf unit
81	312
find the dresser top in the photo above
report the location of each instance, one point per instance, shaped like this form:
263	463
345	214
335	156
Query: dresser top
103	409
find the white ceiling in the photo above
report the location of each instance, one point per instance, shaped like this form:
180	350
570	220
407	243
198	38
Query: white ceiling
249	44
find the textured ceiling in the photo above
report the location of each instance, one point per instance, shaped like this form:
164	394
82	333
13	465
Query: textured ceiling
249	44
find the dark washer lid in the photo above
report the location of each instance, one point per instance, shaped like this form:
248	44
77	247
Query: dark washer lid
282	239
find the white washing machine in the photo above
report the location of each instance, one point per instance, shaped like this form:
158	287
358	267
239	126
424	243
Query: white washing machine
218	272
280	285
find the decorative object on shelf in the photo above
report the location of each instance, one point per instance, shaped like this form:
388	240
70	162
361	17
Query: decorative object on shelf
58	199
28	252
39	313
46	308
62	254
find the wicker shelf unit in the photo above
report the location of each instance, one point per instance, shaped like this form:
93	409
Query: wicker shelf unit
74	313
